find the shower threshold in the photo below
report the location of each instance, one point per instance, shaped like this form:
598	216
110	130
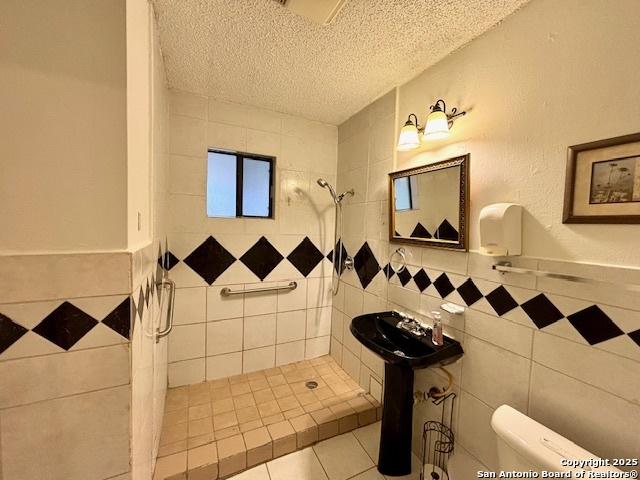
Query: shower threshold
222	427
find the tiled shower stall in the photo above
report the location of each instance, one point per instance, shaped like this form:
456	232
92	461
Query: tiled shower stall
218	336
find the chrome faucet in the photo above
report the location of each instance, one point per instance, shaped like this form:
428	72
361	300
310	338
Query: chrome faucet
411	325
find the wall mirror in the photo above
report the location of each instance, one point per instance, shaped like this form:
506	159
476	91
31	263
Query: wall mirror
429	205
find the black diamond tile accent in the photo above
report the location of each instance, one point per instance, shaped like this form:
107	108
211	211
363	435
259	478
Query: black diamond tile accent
262	258
388	271
140	307
119	320
147	293
160	265
305	257
169	261
446	231
635	336
469	292
65	325
10	332
594	325
541	311
159	270
420	232
501	300
210	260
422	280
344	255
443	285
366	265
404	276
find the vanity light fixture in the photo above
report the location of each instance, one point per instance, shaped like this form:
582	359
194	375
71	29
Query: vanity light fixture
409	137
437	126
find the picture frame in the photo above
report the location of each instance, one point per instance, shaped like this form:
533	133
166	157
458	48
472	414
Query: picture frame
602	183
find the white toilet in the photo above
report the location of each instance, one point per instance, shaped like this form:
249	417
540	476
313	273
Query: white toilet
524	445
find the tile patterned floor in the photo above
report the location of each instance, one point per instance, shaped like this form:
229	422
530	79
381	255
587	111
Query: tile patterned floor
351	455
219	428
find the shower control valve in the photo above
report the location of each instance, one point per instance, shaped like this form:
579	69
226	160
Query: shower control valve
348	263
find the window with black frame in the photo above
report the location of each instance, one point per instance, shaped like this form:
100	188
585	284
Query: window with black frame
239	184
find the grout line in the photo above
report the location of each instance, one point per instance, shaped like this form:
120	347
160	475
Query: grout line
70	299
530	383
63	397
313	449
375	461
127	343
602	389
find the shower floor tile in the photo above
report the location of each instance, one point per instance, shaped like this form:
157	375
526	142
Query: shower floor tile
228	425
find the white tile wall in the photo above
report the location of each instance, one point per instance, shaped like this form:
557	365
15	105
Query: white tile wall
258	358
218	336
220	366
318	322
102	376
68	438
259	331
290	326
289	352
225	336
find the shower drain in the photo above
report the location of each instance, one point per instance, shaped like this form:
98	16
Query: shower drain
311	384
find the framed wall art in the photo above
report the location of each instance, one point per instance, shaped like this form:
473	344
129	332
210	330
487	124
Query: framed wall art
603	181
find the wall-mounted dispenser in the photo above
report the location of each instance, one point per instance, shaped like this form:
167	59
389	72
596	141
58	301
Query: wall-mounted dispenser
501	230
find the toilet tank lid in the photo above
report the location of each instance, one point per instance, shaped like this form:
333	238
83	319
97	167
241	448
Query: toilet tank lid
538	444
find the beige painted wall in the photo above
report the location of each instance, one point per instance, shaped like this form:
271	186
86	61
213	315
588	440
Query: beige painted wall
63	157
553	75
139	80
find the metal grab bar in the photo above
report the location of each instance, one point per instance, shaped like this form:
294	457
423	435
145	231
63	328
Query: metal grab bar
227	292
167	282
506	267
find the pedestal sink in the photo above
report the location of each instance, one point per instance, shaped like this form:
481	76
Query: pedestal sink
403	351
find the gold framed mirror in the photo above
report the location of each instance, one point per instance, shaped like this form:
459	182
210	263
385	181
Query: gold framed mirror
429	205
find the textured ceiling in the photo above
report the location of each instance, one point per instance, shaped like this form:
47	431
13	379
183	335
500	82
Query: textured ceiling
256	52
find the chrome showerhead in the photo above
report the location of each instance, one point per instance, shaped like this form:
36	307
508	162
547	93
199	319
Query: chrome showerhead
324	184
336	198
344	194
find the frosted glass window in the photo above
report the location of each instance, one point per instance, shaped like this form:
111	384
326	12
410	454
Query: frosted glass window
221	185
256	186
406	192
403	193
239	185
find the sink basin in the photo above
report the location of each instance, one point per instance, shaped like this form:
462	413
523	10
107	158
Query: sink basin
379	333
403	352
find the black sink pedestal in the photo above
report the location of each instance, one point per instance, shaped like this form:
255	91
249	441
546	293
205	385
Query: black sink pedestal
397	421
403	351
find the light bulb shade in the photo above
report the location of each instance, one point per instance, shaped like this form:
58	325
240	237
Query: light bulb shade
437	126
408	139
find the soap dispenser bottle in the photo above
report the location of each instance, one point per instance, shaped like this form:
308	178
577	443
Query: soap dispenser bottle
437	336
